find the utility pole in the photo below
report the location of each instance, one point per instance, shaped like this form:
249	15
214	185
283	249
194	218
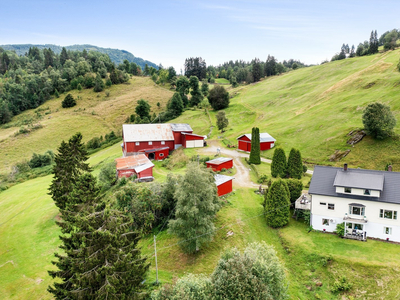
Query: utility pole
155	251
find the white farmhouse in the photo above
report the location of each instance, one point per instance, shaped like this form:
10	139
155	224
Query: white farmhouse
367	201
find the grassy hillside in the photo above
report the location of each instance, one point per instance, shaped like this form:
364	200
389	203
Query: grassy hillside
116	55
314	109
95	114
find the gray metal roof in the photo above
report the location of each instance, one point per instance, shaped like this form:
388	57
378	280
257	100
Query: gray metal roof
264	137
147	132
181	127
220	179
322	183
359	180
219	160
141	168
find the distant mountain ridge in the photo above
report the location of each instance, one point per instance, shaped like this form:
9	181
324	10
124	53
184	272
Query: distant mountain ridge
116	55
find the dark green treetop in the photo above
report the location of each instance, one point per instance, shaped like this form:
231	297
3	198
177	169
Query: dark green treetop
278	165
277	204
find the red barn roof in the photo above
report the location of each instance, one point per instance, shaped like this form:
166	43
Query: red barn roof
137	162
264	137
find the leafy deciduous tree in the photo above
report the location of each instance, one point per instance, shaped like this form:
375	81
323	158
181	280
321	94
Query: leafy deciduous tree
222	120
378	120
218	97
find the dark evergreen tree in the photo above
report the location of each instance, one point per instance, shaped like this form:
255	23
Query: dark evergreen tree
143	109
68	101
222	120
175	105
63	56
100	259
255	147
257	69
98	84
197	96
70	163
295	164
171	74
204	88
182	87
277	204
218	97
195	66
278	165
295	189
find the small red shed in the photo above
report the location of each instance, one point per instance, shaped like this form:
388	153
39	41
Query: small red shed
190	140
217	164
224	184
266	142
138	165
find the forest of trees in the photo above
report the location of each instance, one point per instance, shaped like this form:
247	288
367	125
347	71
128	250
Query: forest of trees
29	80
388	40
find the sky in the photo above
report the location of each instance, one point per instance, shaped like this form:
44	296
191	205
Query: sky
169	31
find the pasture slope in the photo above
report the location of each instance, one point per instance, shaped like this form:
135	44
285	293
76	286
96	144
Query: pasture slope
311	109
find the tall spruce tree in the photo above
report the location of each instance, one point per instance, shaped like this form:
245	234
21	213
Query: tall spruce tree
277	204
70	163
100	257
197	204
255	147
278	165
295	164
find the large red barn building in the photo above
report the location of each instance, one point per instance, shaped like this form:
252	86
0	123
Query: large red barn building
224	184
157	140
217	164
266	142
138	165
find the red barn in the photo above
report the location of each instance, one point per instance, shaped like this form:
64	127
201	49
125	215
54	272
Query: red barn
266	142
154	139
224	184
190	140
138	165
217	164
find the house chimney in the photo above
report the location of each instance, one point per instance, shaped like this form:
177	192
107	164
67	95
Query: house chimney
390	168
345	167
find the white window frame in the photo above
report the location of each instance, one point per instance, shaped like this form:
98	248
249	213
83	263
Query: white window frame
387	230
367	192
161	154
382	214
330	204
362	210
348	190
325	222
137	143
150	143
162	142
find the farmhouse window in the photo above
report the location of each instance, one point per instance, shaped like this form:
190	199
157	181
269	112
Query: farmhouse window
162	142
387	230
331	206
322	203
150	143
367	192
356	210
347	190
355	226
137	143
388	214
325	222
161	154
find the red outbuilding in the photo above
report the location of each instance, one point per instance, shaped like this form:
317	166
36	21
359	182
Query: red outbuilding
266	142
224	184
138	165
190	140
217	164
157	153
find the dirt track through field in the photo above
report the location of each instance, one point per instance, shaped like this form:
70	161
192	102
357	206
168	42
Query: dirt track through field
242	176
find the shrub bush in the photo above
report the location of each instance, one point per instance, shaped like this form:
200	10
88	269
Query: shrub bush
340	229
68	101
341	285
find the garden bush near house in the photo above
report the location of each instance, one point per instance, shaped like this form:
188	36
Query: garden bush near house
340	229
295	189
262	178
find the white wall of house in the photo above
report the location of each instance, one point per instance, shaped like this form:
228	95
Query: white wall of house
375	227
358	192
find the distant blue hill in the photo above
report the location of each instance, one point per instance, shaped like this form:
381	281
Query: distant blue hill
116	55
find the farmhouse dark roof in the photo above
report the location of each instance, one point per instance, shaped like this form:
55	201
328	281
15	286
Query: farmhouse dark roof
219	160
181	127
322	183
264	137
359	180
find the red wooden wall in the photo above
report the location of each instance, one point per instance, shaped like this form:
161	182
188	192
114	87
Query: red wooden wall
131	146
225	188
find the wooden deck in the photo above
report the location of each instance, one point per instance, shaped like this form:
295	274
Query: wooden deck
360	237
